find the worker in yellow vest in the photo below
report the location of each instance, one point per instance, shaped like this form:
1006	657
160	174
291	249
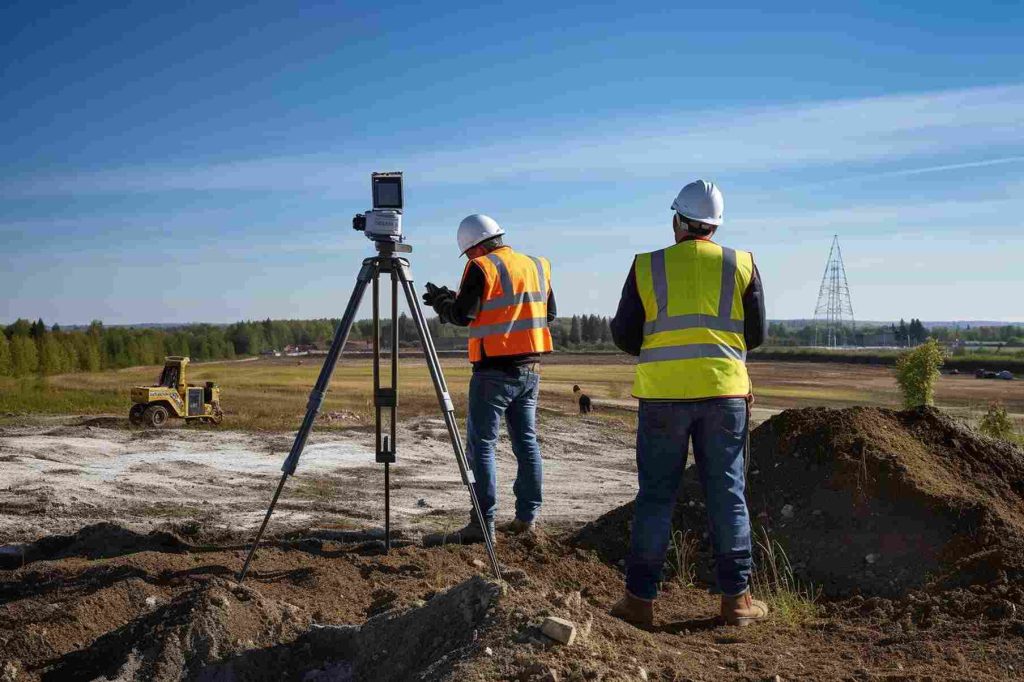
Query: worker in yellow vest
506	300
691	312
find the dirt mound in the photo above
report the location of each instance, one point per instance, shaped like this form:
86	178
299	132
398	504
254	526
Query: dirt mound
98	541
223	631
872	501
327	610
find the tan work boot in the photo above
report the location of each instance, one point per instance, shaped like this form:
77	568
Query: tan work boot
639	612
743	610
518	526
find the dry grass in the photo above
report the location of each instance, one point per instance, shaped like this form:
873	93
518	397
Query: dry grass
271	394
790	601
682	555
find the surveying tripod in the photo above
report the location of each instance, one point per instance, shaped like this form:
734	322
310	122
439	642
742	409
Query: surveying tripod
384	397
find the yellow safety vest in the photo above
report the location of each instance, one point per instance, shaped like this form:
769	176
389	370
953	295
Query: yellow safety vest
693	333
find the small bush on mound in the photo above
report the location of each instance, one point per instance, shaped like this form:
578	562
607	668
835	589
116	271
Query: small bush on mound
997	424
916	372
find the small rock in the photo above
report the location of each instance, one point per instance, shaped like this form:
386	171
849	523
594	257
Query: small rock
479	564
488	651
151	602
1001	610
787	511
872	558
559	629
219	600
11	671
422	502
641	673
516	577
538	672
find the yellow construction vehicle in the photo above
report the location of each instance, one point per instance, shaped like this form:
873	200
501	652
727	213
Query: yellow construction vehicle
174	397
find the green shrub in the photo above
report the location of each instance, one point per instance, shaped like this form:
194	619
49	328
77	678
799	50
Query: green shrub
996	423
916	372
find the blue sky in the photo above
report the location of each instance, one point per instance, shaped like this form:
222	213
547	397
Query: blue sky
181	163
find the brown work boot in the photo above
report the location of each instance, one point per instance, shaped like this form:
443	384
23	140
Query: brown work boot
639	612
743	610
518	526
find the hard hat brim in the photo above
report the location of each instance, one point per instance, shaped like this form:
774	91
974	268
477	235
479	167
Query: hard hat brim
710	221
482	240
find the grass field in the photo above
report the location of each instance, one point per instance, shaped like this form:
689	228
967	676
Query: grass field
271	394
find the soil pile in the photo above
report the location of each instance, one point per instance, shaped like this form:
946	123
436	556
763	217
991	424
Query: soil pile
872	502
98	541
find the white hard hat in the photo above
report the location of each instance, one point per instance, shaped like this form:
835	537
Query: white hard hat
701	201
476	229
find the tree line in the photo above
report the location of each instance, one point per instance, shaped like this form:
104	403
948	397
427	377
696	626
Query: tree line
28	348
902	334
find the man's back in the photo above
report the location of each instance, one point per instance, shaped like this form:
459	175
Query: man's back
687	307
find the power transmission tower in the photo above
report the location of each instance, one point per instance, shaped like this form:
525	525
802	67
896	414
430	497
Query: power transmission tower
833	316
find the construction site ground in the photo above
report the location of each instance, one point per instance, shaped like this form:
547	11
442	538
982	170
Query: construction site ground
119	548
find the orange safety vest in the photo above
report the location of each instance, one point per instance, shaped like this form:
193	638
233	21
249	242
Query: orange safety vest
513	314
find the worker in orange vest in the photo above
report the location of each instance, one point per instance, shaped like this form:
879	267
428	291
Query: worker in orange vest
505	299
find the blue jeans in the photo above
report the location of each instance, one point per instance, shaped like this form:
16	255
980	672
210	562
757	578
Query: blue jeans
718	428
513	393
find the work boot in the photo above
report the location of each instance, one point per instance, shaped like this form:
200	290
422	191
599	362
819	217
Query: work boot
743	610
518	526
639	612
468	535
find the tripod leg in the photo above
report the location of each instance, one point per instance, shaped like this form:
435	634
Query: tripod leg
445	400
316	397
393	423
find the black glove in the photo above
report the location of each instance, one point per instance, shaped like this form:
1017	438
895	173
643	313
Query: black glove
435	294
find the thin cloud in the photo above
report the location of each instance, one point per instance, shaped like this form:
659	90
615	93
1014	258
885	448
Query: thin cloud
886	129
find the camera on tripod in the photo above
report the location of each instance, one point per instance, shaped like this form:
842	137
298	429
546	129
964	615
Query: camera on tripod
384	222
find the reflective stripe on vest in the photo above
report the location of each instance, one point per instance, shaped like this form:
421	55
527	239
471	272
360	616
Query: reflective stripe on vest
699	352
508	297
722	322
511	322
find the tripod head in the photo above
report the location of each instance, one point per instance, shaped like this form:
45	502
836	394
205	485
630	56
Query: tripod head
391	248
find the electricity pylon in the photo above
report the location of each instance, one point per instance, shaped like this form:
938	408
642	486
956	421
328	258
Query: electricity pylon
833	316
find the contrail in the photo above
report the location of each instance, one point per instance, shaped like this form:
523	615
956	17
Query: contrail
922	171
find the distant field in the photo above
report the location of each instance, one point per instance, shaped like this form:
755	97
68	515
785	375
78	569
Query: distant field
270	394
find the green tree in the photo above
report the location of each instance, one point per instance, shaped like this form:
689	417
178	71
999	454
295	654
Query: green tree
24	356
21	327
916	372
575	332
5	355
38	329
53	358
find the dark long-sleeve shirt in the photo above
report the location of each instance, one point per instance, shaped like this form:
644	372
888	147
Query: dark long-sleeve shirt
464	309
628	323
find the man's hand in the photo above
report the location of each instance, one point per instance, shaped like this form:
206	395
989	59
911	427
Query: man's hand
436	294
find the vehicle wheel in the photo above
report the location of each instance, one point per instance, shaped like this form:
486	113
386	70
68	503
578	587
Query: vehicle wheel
155	416
135	414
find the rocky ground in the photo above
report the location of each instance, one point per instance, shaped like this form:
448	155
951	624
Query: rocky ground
59	475
906	523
